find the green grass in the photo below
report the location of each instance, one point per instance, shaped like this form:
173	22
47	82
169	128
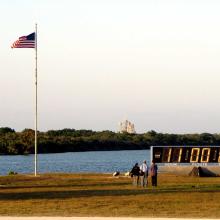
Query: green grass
104	195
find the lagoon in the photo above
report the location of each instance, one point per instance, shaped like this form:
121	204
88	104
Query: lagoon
75	162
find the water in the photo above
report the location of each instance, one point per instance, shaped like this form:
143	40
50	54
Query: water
92	161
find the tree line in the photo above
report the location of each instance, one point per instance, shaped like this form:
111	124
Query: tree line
71	140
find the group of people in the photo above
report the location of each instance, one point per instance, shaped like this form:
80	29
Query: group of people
139	174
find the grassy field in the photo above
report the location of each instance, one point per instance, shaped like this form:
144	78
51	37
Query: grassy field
104	195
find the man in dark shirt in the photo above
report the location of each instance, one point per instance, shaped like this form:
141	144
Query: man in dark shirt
135	172
153	173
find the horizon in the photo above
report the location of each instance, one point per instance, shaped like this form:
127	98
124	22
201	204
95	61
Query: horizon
147	131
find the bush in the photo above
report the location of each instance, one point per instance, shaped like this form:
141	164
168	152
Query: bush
12	173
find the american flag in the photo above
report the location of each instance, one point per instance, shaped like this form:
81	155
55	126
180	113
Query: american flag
25	41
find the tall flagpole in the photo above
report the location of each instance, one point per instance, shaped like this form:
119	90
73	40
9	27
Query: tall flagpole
35	161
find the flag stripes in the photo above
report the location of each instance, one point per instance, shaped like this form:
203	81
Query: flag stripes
25	41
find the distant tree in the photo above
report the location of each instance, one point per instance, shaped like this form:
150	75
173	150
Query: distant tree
152	133
4	130
206	138
71	140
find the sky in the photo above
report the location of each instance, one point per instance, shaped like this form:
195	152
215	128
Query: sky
153	62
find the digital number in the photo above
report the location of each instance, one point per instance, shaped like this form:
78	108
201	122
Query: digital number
177	153
205	155
219	157
166	155
194	155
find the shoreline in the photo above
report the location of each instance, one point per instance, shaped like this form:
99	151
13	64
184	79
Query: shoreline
171	169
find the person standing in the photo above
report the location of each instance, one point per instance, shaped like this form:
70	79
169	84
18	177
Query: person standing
135	172
153	173
144	174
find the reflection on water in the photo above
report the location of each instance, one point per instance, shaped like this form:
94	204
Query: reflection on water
92	161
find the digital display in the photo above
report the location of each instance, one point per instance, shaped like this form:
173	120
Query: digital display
186	154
